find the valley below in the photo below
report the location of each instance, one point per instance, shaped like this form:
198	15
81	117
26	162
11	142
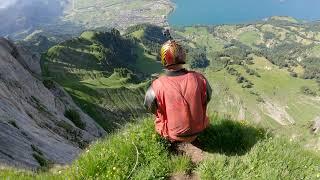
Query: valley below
71	17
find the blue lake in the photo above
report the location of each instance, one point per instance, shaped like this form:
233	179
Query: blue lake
190	12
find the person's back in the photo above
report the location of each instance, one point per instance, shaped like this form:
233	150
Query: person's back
179	100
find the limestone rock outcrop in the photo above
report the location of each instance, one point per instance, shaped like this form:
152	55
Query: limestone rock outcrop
33	123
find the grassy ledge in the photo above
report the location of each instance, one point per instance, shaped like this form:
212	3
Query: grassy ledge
235	150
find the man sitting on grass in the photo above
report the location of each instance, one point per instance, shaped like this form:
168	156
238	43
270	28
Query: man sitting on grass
178	98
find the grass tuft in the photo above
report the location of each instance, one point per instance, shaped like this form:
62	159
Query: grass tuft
36	149
43	162
116	157
74	116
182	164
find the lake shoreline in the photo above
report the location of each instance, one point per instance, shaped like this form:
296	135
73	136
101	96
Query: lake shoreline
190	13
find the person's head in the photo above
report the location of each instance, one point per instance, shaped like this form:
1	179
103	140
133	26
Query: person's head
172	55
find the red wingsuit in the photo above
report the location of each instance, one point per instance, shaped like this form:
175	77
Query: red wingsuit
180	99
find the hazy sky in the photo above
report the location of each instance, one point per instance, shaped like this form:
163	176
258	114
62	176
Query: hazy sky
6	3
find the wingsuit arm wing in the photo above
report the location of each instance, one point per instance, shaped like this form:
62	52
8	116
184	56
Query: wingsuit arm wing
150	101
209	91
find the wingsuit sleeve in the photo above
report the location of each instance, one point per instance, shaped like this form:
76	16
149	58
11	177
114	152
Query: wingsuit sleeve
150	101
209	91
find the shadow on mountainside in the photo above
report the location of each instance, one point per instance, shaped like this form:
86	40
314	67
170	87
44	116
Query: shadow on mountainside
108	113
229	137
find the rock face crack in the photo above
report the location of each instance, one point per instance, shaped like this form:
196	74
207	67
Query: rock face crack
6	154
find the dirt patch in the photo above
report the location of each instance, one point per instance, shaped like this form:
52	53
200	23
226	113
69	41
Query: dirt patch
242	113
194	151
278	113
316	126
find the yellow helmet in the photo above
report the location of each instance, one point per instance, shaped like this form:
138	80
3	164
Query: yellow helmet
172	53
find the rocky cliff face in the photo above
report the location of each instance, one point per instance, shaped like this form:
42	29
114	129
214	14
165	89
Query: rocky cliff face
34	128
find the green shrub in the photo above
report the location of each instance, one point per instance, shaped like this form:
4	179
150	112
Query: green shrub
257	74
250	71
260	99
307	91
73	134
66	126
48	83
269	35
293	74
254	93
40	107
74	116
43	162
198	59
233	71
36	149
312	68
247	84
199	63
122	72
240	79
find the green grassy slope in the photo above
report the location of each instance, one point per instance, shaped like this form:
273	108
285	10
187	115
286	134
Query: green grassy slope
105	73
257	83
235	150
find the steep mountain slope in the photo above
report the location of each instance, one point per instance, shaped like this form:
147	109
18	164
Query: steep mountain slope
39	41
105	73
34	128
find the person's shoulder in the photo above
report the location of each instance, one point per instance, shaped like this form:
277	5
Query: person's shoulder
159	78
197	74
157	81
